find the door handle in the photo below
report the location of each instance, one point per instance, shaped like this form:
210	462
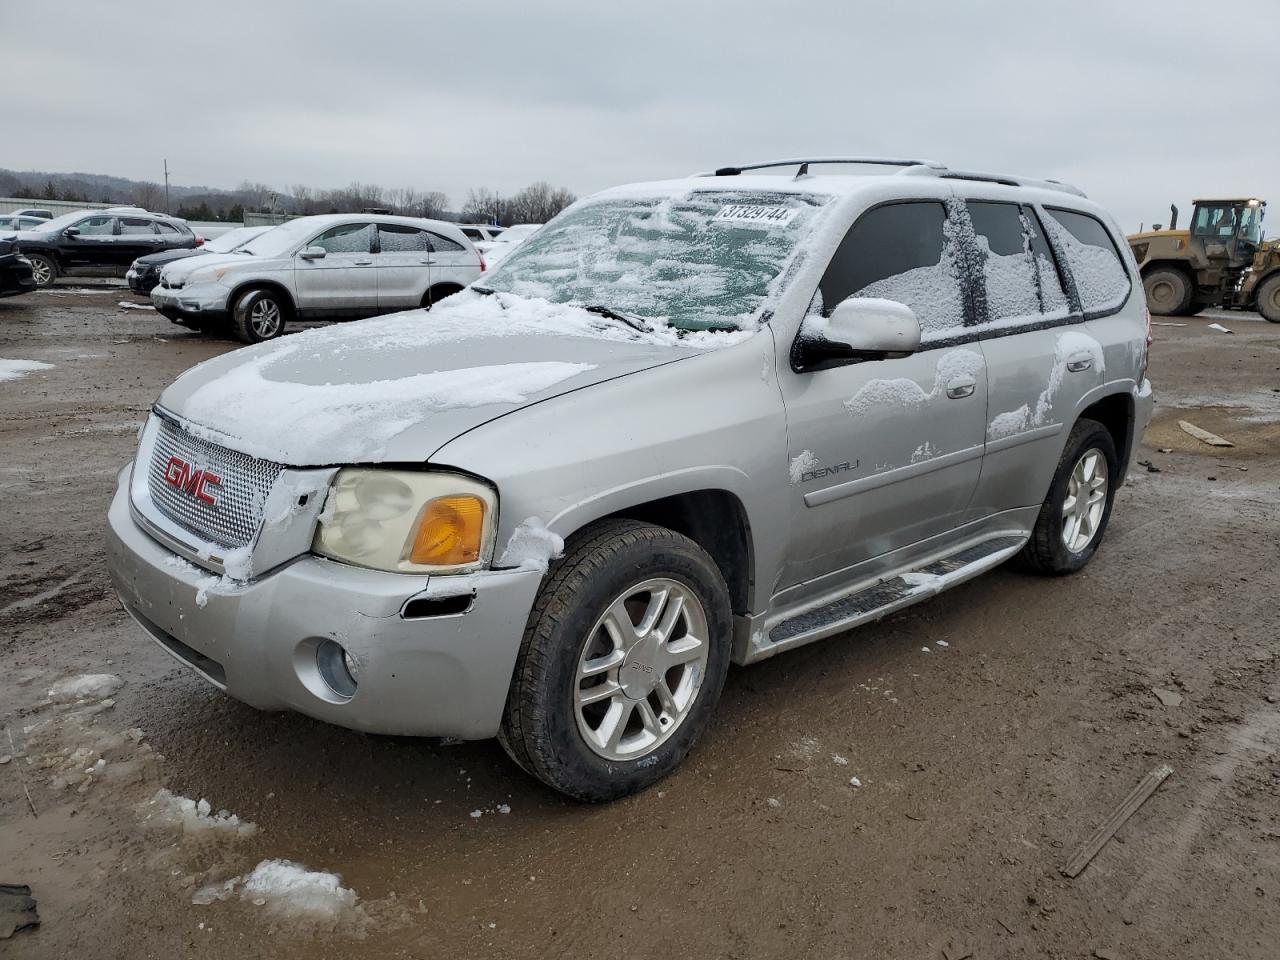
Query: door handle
363	263
426	260
1079	363
961	387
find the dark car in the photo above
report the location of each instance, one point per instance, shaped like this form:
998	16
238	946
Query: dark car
38	212
144	274
100	239
16	275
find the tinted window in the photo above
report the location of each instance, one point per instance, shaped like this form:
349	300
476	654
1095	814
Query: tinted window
1091	257
167	229
472	234
445	245
902	252
348	238
1018	272
396	238
97	226
132	226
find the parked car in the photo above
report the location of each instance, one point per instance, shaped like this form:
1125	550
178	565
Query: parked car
508	240
19	221
686	423
479	232
144	273
16	275
323	267
37	212
96	239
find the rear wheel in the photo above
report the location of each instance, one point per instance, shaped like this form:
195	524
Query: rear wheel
1168	292
622	662
259	315
1074	515
44	268
1269	299
436	294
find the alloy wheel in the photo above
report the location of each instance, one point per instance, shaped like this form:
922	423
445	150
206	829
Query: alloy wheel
1086	500
264	317
641	669
42	272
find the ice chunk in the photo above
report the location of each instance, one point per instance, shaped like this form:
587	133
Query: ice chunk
89	686
192	817
532	546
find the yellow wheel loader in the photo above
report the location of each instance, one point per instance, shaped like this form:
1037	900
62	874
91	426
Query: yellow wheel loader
1220	261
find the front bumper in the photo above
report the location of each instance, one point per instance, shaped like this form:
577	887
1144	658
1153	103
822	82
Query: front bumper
16	277
141	283
444	675
201	301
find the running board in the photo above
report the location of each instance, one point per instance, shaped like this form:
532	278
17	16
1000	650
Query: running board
885	596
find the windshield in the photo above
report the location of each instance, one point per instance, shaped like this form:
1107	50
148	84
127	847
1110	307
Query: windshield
1251	223
698	261
64	221
232	239
278	241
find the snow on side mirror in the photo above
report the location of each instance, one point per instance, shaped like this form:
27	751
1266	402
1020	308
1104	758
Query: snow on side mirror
313	253
859	328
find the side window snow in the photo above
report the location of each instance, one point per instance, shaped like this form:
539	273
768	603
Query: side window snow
1092	257
348	238
1020	280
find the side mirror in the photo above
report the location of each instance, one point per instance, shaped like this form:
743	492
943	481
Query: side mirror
314	253
71	232
859	328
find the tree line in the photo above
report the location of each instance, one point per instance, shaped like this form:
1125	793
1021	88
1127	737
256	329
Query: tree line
536	203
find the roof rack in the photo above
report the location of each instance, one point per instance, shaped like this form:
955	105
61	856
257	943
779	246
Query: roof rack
917	168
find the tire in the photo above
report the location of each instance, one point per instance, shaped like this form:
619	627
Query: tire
545	728
1047	552
44	268
259	314
1269	298
1168	292
436	294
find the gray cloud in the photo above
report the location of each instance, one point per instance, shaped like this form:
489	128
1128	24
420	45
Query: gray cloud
1139	104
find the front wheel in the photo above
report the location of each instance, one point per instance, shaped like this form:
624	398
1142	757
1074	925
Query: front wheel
1074	515
258	315
45	269
1269	299
1168	292
622	663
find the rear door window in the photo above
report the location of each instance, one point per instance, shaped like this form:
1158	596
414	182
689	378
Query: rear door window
133	226
167	229
97	226
397	238
1019	277
445	245
1092	258
904	252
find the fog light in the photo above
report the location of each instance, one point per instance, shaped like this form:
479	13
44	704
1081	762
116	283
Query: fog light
338	668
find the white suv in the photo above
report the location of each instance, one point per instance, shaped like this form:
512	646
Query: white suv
325	267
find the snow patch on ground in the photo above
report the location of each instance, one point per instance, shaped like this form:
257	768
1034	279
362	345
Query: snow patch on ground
532	547
130	305
193	817
288	890
89	686
802	464
13	369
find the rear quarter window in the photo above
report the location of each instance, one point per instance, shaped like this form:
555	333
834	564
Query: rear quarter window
1092	258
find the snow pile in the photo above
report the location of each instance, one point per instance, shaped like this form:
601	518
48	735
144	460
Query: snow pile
79	752
13	369
130	305
288	890
532	547
89	686
193	818
801	465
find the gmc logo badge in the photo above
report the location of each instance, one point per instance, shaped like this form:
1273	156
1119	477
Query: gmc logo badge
179	473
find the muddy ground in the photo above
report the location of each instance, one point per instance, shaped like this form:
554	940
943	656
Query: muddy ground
984	764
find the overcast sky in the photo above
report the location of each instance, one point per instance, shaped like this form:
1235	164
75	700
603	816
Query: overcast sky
1138	103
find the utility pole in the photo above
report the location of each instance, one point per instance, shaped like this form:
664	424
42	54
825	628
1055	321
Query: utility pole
166	187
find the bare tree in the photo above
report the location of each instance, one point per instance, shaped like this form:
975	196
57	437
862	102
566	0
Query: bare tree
148	195
433	204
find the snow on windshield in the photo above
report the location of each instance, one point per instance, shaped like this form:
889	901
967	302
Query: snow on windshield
232	239
701	260
280	240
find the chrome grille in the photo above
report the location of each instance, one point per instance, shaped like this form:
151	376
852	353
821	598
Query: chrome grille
244	483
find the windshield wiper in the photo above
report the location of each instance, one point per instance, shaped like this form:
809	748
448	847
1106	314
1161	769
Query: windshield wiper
483	291
635	323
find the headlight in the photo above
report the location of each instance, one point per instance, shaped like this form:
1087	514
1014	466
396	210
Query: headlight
407	521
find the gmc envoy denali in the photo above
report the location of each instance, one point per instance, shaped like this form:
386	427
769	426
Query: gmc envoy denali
687	423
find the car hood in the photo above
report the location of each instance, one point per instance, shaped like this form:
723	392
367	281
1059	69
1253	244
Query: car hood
396	389
183	268
168	256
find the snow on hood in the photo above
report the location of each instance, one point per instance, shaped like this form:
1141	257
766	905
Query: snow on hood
182	268
397	388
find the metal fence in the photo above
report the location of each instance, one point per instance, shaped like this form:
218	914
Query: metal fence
252	219
56	207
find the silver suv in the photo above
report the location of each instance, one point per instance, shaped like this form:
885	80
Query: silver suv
320	268
687	423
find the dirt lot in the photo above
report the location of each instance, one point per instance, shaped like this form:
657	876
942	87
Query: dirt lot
983	764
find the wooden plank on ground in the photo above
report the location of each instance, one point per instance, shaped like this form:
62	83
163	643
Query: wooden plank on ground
1204	435
1117	819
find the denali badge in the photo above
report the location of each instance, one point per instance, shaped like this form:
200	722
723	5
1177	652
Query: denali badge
180	474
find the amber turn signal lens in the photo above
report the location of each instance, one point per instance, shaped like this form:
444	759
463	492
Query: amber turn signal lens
449	532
